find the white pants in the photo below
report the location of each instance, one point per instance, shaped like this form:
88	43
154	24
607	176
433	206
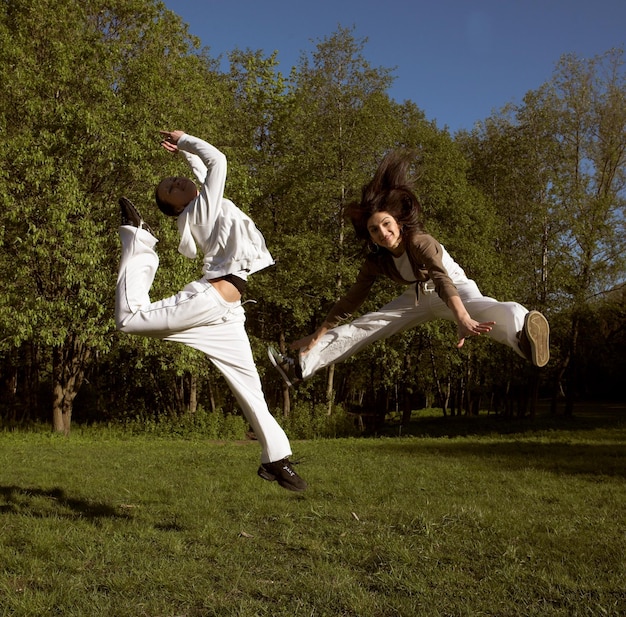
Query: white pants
199	317
402	313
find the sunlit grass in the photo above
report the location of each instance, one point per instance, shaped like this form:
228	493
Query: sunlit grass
526	523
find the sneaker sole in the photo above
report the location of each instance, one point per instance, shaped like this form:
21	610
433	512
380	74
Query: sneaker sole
130	207
538	333
278	368
266	475
139	223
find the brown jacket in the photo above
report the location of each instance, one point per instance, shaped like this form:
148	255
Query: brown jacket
425	257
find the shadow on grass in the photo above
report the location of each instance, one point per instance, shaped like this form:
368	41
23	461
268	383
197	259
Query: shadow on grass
53	502
559	458
550	443
587	418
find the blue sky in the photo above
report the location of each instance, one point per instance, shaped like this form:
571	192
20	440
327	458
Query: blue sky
458	60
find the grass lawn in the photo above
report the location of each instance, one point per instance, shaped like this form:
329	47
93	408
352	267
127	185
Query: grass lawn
477	521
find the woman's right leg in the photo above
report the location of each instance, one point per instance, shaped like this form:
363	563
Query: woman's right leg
138	265
348	339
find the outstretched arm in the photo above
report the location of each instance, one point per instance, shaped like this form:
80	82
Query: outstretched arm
170	143
306	343
342	309
170	140
209	166
466	325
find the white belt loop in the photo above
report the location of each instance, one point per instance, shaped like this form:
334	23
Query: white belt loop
428	287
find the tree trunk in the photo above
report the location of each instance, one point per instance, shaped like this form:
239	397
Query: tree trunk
406	395
440	392
446	399
68	371
570	392
407	408
533	388
286	395
330	392
179	395
9	389
193	393
211	395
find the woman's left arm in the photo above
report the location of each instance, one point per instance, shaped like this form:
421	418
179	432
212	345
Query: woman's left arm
466	326
431	252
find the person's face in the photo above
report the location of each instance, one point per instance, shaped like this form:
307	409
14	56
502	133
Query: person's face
178	192
385	231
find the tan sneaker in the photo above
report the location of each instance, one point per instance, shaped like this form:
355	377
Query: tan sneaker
534	338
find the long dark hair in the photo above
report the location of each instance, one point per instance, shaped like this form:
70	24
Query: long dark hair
390	190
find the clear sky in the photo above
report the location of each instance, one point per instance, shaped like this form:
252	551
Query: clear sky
457	60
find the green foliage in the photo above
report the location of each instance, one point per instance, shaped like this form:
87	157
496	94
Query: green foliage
89	85
312	421
555	170
200	424
555	167
531	204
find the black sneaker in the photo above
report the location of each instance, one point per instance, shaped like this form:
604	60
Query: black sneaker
131	216
288	368
534	339
283	473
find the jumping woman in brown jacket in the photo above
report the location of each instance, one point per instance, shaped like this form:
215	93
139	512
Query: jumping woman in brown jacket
388	218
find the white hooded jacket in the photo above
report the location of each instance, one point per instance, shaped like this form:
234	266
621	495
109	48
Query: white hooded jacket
228	238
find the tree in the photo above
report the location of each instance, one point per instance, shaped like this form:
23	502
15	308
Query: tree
340	111
88	84
589	186
555	168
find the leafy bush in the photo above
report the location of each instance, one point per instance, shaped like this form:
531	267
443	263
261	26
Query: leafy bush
211	425
312	421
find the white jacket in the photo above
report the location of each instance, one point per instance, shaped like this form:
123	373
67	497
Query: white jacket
227	237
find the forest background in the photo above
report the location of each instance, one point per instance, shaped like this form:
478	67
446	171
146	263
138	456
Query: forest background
530	203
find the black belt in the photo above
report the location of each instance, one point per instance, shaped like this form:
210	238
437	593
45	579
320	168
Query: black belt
237	281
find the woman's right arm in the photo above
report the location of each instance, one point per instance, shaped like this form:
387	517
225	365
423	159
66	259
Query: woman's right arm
343	308
306	343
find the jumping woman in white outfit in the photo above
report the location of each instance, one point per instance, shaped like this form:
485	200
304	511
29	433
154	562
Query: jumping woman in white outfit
388	218
207	314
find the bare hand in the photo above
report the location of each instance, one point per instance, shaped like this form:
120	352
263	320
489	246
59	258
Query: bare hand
170	139
305	344
472	328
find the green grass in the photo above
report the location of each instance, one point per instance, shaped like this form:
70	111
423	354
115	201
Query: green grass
525	523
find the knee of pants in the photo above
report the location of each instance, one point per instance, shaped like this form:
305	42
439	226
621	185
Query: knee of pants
121	326
119	320
127	325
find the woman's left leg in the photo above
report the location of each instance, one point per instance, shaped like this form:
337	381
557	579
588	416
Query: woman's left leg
402	313
509	316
